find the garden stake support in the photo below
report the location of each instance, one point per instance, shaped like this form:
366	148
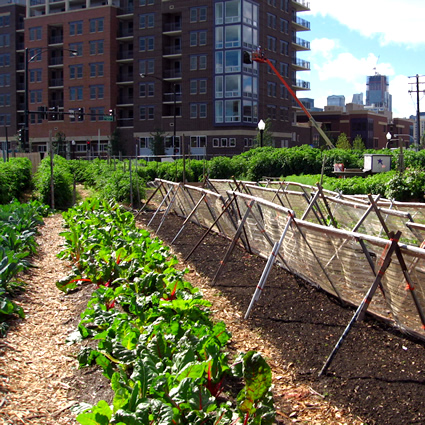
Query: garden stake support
311	204
400	258
234	240
271	260
160	205
147	202
168	209
246	240
189	217
320	189
318	262
225	208
388	251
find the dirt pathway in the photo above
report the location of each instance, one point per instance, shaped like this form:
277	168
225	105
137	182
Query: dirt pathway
35	362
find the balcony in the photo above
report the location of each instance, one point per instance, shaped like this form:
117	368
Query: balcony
57	39
301	85
172	74
125	100
172	27
125	78
125	33
169	98
125	56
300	44
56	82
56	61
172	51
301	5
301	65
300	24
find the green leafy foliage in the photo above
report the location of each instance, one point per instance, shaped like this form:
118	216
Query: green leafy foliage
62	182
18	228
156	342
15	179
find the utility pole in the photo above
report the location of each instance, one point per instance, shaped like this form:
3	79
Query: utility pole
418	113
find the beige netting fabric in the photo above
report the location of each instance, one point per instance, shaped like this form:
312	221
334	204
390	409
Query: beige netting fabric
337	243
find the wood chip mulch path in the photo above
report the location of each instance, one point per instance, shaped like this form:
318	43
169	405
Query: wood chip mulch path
38	369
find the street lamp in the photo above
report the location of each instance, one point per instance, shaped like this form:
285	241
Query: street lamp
175	108
261	127
25	138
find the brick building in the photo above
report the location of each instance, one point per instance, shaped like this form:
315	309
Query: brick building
102	70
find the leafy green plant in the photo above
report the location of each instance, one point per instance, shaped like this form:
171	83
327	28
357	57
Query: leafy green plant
156	342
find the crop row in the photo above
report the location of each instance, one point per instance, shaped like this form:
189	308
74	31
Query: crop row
18	227
156	342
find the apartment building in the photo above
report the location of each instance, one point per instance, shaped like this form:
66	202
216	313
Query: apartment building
12	15
105	72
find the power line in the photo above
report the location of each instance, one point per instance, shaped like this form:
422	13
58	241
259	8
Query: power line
418	113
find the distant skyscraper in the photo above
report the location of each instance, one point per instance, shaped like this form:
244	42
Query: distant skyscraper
336	100
358	98
377	95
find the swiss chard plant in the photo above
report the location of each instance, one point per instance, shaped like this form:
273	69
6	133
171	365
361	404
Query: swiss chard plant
156	342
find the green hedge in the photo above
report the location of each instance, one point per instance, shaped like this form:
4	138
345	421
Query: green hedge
15	179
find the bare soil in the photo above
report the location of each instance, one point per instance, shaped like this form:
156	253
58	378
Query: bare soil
378	374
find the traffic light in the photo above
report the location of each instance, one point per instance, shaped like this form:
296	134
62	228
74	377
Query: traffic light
111	113
53	113
80	116
20	135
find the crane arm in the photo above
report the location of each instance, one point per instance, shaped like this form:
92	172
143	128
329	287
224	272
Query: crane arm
259	57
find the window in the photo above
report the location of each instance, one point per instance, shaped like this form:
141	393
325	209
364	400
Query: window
35	33
5	59
232	36
36	96
233	110
232	142
198	14
193	110
146	44
232	11
4	40
284	48
147	66
233	85
218	62
202	86
216	142
96	69
271	21
4	80
96	114
146	89
198	38
96	47
76	93
271	89
223	142
5	20
97	91
35	75
75	71
219	86
233	61
146	112
202	110
193	86
219	111
76	47
76	28
96	25
198	62
271	43
147	20
146	2
284	25
5	99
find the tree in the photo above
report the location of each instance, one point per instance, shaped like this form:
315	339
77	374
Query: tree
157	144
358	143
267	135
343	142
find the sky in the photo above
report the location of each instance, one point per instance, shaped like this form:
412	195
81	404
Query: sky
350	40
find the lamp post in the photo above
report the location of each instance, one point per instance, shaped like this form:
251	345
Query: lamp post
25	135
175	108
261	127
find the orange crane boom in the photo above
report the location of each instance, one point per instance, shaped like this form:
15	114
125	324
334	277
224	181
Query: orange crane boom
260	57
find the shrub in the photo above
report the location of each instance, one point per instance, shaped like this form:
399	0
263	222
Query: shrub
62	183
15	179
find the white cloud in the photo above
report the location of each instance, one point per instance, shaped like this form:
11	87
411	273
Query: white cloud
404	103
323	47
391	21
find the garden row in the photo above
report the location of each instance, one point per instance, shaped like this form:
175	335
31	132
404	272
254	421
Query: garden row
125	181
18	228
166	359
